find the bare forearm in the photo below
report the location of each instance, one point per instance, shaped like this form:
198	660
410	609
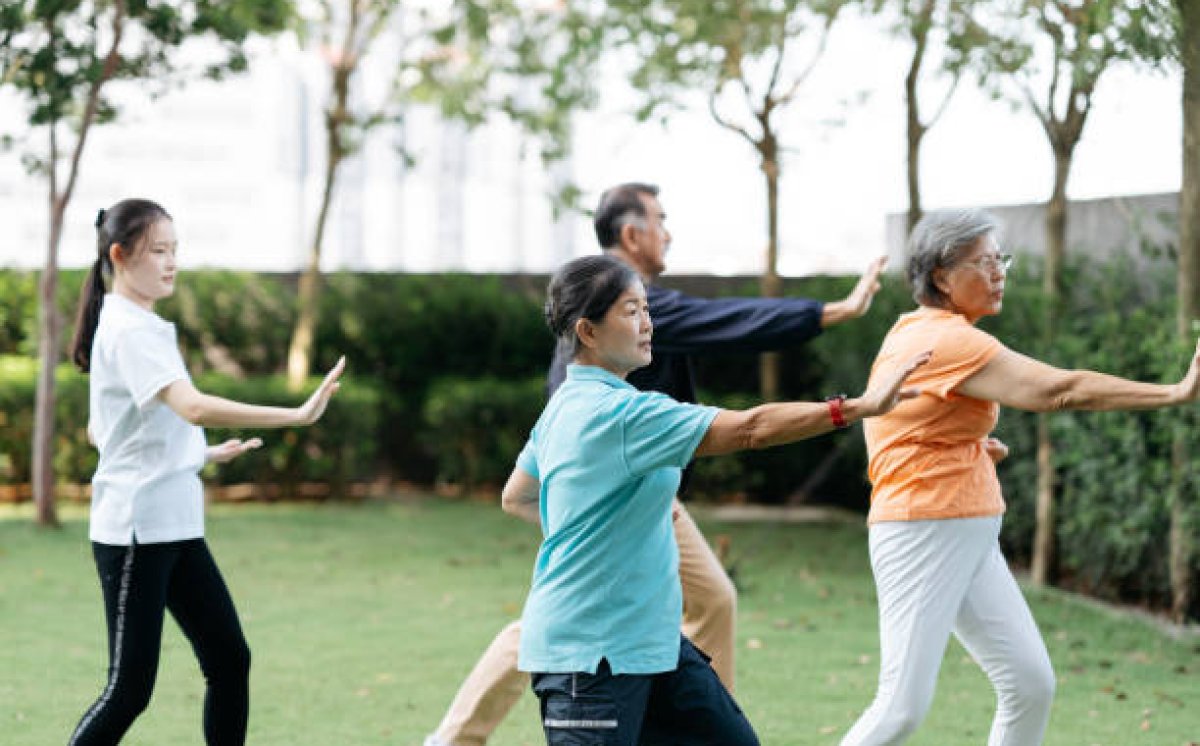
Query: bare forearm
835	312
777	424
1090	390
523	509
207	410
773	424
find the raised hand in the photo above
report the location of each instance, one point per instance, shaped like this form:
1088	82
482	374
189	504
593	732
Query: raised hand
890	391
311	410
858	302
1189	387
231	449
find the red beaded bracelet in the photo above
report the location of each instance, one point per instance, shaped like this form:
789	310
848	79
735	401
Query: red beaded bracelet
835	411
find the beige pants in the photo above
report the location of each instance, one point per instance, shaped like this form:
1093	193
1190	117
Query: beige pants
493	687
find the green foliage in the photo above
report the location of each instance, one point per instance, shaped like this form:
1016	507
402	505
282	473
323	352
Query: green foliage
74	458
55	54
475	427
535	63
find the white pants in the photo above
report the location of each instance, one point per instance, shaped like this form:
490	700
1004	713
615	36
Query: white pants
937	577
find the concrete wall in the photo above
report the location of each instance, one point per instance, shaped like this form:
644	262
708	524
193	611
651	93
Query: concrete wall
1098	227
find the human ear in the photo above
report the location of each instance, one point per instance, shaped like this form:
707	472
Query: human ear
115	255
628	237
939	281
586	331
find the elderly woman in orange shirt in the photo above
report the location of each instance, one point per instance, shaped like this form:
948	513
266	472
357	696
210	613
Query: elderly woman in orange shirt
936	505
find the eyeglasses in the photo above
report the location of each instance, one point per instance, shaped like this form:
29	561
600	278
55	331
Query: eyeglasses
991	262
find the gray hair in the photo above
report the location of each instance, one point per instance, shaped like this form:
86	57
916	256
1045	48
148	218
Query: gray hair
938	241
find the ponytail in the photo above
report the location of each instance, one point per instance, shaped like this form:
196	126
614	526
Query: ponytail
124	224
91	299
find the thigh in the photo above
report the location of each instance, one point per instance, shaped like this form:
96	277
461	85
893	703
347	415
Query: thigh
691	706
923	570
995	624
133	580
700	572
581	709
200	602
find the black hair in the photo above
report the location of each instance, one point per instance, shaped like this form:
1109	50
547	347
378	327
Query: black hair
125	224
584	288
617	207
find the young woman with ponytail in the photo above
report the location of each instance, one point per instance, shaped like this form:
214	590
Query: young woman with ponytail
147	512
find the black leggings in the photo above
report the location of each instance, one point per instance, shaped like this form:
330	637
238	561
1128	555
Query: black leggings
140	581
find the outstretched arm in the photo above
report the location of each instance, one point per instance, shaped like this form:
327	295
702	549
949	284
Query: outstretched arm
1018	381
207	410
775	424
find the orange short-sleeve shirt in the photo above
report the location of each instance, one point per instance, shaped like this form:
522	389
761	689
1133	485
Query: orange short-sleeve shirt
926	457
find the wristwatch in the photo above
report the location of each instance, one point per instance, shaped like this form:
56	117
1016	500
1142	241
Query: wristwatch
835	410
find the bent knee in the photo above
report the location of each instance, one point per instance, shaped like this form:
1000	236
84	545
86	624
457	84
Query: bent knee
1037	683
231	664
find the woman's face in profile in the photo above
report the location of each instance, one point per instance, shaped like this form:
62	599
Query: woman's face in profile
975	284
622	338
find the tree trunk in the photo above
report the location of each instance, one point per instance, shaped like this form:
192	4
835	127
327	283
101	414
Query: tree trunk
1056	240
300	350
916	130
48	336
343	64
771	286
1182	533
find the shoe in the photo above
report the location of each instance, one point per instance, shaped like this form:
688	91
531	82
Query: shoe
433	740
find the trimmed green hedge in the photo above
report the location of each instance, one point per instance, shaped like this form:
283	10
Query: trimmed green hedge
476	427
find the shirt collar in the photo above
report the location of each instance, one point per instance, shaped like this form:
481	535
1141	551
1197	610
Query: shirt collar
576	372
124	305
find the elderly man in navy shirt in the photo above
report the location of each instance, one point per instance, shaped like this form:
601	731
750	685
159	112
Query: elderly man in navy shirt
630	225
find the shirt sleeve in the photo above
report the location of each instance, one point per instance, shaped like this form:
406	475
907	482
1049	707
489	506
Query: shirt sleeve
959	353
661	432
687	325
527	460
147	361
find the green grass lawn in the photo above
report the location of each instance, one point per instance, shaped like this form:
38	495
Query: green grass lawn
363	620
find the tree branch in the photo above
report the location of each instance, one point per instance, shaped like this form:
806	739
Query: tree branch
812	64
945	101
111	60
716	115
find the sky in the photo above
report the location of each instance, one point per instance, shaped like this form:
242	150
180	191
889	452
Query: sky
238	166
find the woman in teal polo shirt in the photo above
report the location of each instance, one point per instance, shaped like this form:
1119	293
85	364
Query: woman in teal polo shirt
600	630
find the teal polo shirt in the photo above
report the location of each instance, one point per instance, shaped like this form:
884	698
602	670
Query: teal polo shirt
606	581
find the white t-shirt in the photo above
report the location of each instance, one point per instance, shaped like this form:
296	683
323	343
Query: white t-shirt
146	484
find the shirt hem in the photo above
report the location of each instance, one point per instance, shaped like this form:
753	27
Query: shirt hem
929	515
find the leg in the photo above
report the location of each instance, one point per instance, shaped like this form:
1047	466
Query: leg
200	602
690	705
582	709
133	580
487	695
998	630
922	572
709	597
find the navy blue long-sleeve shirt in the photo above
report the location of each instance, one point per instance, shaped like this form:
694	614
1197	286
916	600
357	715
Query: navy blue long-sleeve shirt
684	326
